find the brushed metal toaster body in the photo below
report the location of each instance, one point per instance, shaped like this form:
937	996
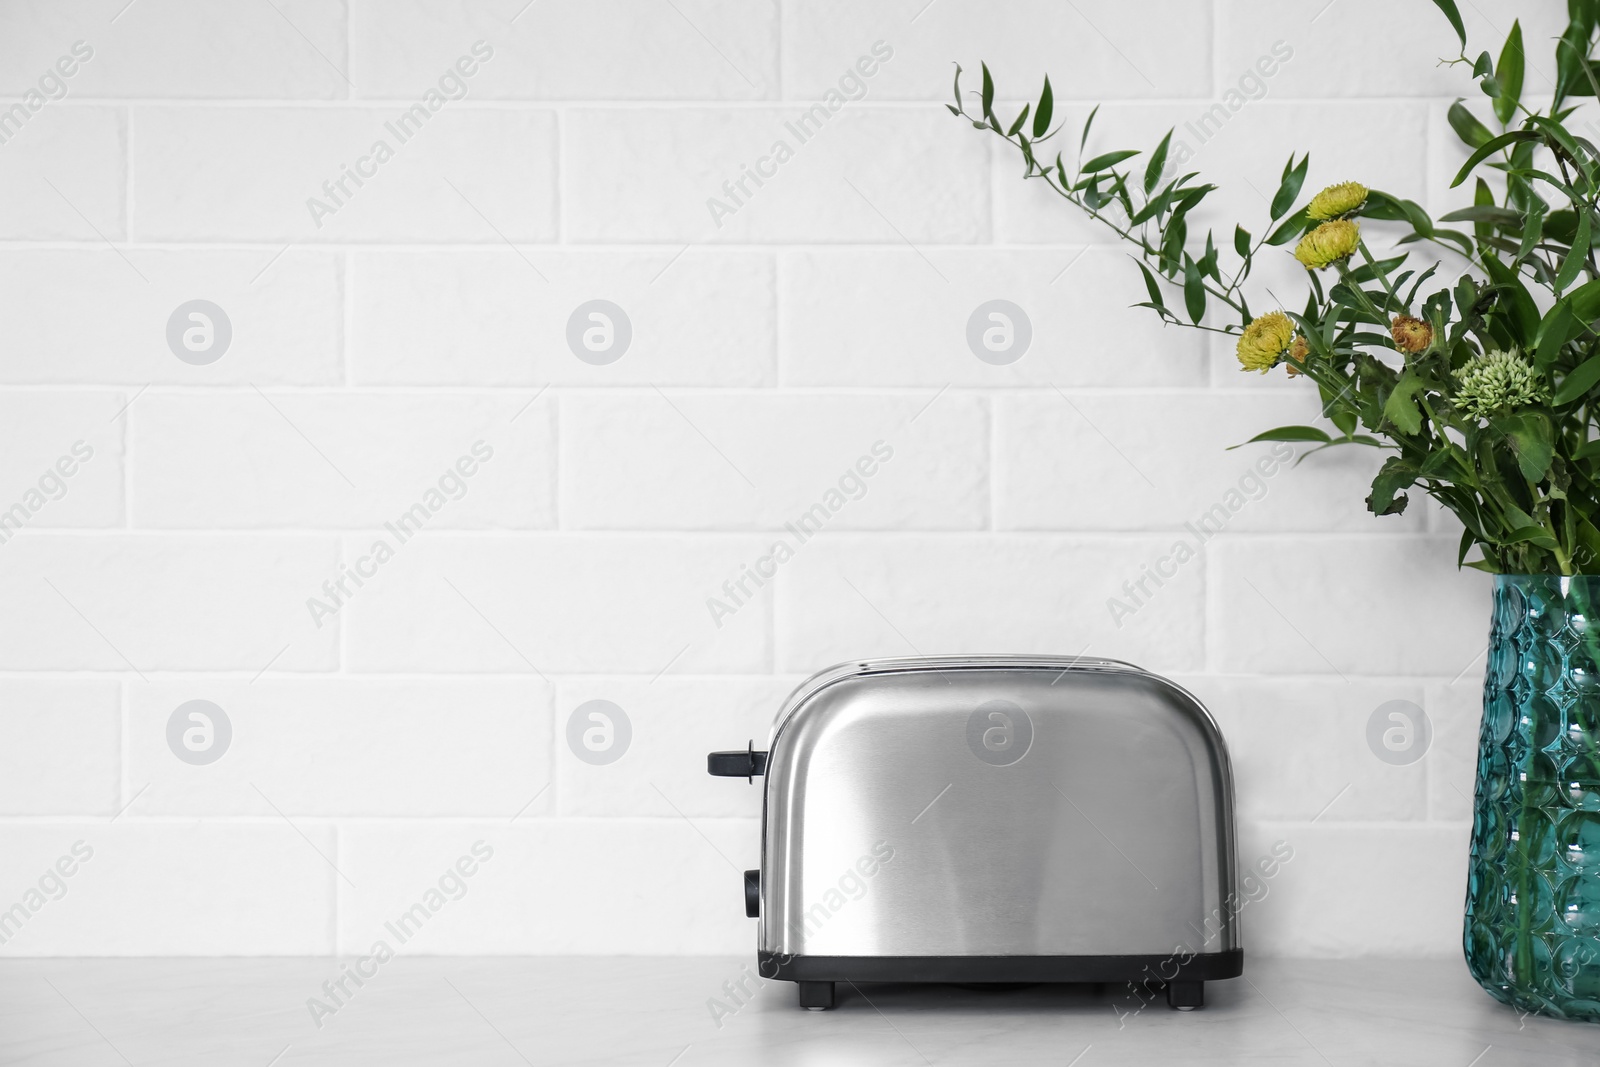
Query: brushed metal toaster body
1000	818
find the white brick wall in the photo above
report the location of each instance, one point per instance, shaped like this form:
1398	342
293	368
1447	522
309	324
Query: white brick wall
426	708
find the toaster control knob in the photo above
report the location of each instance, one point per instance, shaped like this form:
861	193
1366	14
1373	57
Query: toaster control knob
752	893
745	764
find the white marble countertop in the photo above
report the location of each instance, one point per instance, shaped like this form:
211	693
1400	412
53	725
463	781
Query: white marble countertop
501	1012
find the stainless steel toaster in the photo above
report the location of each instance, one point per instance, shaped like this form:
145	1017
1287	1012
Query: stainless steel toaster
993	819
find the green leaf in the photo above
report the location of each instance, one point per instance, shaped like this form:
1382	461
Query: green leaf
1579	381
1532	535
1208	262
1241	240
1585	301
1388	496
1530	440
1158	162
1042	113
1108	159
1490	147
1577	256
1194	291
1401	409
1172	244
1289	186
1555	329
1412	296
1371	271
1087	123
1521	312
1532	231
1022	117
1572	66
1589	538
988	92
1507	217
1474	133
1291	228
1509	74
1288	433
1450	12
1151	287
958	88
1381	205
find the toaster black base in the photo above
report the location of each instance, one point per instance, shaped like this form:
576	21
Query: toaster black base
1184	982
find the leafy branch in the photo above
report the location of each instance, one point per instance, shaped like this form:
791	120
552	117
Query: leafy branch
1477	397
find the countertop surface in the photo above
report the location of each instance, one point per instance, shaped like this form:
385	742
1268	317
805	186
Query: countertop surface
679	1013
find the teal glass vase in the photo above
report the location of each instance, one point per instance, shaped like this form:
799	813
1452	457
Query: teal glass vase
1532	934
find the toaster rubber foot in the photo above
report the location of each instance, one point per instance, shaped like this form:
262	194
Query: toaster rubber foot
1186	996
817	996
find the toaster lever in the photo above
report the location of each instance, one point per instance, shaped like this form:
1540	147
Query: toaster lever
752	894
746	764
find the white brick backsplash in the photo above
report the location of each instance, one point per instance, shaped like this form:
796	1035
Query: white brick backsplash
61	459
864	173
283	314
1280	606
283	459
155	49
631	887
1164	460
845	596
675	723
136	603
743	461
790	297
558	603
62	748
248	173
1299	748
255	888
696	317
1353	890
370	747
1383	65
902	318
1455	711
64	176
687	50
1113	53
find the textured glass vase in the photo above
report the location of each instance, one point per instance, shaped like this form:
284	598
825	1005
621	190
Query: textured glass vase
1533	886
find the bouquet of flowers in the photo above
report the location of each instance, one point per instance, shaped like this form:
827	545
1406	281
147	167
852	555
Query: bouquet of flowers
1484	393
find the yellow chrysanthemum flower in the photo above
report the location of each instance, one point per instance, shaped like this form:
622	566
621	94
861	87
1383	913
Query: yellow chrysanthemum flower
1297	355
1328	243
1264	341
1411	335
1337	200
